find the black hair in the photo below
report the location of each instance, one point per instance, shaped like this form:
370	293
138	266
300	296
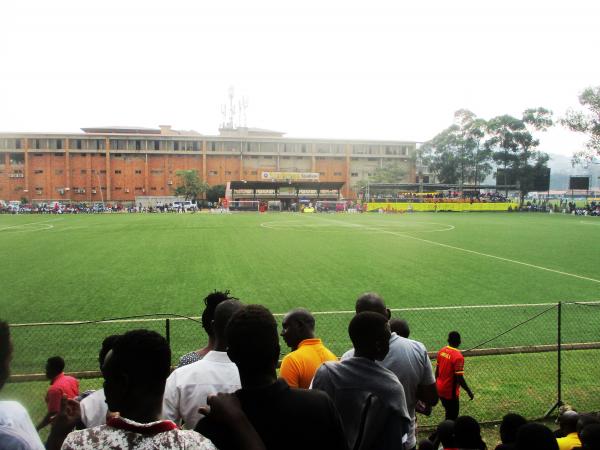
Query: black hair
363	330
144	356
590	436
5	352
535	436
107	345
302	316
445	431
252	339
400	327
210	302
55	365
371	301
467	433
223	313
510	426
454	338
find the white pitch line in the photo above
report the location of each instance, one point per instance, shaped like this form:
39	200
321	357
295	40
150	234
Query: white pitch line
514	261
30	223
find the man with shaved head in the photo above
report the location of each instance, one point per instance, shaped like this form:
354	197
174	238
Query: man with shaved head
408	359
308	353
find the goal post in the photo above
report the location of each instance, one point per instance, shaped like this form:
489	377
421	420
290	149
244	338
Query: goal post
244	205
331	206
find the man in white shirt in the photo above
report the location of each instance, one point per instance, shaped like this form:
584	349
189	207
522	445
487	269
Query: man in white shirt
16	429
189	386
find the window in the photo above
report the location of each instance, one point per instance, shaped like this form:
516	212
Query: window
175	145
228	172
59	144
156	147
322	174
337	174
117	172
213	172
153	188
138	188
58	172
118	188
117	155
83	155
18	144
38	171
78	144
354	174
138	172
213	146
83	171
138	145
303	149
38	154
59	155
156	171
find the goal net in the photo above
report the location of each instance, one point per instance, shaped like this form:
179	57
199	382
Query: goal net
274	205
331	206
244	205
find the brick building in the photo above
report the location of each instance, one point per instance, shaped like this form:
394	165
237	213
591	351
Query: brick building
116	164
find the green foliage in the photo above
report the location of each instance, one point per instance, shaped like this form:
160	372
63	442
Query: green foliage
513	145
456	155
190	185
586	123
389	173
214	193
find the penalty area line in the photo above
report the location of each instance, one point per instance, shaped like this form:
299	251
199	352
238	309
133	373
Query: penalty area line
500	258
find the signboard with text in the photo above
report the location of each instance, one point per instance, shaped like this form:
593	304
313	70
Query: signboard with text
293	176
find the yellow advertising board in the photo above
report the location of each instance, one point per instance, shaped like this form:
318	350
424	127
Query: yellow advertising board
404	207
295	176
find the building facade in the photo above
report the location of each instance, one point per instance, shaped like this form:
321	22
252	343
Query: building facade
119	164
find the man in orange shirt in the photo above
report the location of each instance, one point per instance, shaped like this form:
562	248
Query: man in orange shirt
60	385
449	374
308	353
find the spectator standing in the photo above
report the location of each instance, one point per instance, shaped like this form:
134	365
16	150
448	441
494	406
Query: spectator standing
93	407
294	419
449	374
210	302
568	427
16	428
189	387
361	387
308	353
60	385
408	359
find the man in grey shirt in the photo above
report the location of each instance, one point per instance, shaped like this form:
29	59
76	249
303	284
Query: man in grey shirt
369	397
408	359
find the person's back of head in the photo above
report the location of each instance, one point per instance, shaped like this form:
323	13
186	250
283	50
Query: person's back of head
211	301
585	420
535	436
297	325
54	366
454	339
445	432
370	334
510	426
568	422
426	444
107	345
5	352
252	341
590	436
467	433
223	313
400	327
136	369
371	301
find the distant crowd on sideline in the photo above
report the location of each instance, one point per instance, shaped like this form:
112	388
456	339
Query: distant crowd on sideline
228	395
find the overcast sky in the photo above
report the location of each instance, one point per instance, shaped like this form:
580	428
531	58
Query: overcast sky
335	69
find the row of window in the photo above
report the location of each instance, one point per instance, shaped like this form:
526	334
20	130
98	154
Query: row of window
221	146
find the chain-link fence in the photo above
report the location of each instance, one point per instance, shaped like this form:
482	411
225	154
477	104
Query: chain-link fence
521	358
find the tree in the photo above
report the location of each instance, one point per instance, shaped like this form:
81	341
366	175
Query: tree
513	145
456	155
190	185
216	192
389	173
586	123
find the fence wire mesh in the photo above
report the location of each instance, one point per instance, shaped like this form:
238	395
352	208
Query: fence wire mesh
512	361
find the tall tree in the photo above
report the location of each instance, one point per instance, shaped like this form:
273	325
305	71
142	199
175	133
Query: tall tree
514	147
190	185
586	123
456	155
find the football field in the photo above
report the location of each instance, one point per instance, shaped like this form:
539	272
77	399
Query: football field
481	273
85	267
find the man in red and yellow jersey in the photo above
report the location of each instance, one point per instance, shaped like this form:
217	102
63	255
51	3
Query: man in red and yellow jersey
449	374
308	353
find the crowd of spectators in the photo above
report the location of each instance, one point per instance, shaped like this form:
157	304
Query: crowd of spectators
443	196
228	394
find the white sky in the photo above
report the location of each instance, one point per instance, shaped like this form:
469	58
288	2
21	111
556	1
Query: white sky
312	68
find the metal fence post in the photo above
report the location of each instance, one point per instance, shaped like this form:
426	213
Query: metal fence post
168	331
558	362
